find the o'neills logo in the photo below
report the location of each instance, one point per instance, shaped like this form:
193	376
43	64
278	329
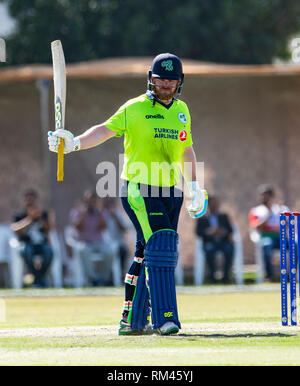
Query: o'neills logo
182	135
157	116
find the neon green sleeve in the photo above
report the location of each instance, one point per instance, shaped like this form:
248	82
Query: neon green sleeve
117	122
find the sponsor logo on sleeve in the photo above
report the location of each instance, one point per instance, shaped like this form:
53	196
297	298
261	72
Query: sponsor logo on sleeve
182	135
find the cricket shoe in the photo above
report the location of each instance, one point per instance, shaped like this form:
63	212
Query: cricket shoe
168	328
125	329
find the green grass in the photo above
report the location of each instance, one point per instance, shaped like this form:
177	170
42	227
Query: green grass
217	329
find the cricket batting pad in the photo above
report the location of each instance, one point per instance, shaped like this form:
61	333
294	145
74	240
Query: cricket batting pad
140	304
161	256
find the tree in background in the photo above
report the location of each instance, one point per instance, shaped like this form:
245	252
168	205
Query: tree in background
224	31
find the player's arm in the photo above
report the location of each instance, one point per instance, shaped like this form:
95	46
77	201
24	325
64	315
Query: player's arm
198	196
92	137
256	221
188	164
95	136
22	225
261	223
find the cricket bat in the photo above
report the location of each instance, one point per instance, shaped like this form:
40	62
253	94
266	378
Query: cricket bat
60	85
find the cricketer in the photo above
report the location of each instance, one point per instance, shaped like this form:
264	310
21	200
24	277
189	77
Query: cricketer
157	145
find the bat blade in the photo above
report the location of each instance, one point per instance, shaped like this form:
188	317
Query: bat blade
60	88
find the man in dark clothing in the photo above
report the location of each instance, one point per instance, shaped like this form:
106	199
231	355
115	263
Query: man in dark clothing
32	226
216	231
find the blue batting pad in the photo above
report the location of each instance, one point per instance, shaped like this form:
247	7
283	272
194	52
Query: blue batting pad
161	255
140	303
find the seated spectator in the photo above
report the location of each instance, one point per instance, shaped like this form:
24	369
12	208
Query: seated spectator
91	228
264	218
216	231
32	226
116	228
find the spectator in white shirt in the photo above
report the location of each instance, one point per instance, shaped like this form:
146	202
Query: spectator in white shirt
264	218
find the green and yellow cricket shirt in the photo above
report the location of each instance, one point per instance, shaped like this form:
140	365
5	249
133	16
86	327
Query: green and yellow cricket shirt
155	137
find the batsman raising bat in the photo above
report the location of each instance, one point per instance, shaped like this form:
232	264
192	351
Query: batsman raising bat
157	144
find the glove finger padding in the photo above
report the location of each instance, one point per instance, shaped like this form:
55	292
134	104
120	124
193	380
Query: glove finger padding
54	140
65	134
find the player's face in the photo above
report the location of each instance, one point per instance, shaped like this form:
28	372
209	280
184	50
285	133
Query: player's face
165	88
267	198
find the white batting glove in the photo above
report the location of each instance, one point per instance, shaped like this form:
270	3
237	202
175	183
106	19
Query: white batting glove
199	200
70	143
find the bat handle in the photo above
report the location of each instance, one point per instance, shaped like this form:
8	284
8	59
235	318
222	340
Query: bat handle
60	161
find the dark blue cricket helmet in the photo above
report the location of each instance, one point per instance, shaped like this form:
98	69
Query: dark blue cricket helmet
166	66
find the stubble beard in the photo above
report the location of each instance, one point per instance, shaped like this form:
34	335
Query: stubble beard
164	97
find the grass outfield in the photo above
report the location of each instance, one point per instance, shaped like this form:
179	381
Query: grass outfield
218	328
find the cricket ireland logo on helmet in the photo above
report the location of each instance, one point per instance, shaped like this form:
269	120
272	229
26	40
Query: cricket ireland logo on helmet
166	66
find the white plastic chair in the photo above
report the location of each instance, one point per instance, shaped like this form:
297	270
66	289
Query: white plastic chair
179	272
56	268
5	253
259	257
200	259
79	277
9	254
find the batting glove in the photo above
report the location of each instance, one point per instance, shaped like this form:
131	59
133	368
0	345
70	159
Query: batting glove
199	200
70	143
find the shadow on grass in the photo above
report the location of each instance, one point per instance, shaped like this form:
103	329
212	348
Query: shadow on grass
239	335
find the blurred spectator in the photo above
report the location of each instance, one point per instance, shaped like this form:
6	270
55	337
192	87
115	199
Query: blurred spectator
91	226
216	231
116	228
264	219
32	226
